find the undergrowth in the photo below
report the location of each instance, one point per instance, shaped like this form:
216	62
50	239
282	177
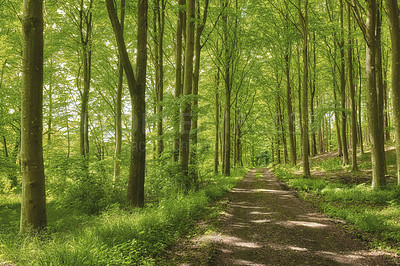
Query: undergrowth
114	237
376	212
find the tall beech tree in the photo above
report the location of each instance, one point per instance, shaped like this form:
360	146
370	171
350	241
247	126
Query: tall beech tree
158	31
178	73
196	73
376	131
303	16
33	198
343	86
118	108
392	8
187	89
85	32
137	86
352	90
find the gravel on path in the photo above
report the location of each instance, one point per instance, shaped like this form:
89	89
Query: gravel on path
265	224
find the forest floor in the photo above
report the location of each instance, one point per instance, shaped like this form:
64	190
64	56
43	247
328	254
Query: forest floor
263	223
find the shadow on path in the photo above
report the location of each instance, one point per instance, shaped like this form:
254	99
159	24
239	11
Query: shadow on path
266	225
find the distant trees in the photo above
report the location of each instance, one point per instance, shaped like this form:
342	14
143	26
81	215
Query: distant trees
33	201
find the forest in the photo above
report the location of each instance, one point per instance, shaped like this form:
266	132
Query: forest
122	122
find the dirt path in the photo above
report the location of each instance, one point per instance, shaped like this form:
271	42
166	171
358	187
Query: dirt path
266	225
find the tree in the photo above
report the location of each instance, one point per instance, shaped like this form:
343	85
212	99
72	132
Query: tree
343	87
158	29
33	200
135	193
187	89
376	131
305	141
178	73
352	90
394	23
118	116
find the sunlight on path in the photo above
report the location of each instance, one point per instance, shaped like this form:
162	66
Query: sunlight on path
266	225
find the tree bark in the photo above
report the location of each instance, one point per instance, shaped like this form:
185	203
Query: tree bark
178	74
289	107
118	116
85	31
343	88
216	156
33	198
352	90
135	192
187	89
379	78
159	25
227	111
394	17
377	147
312	100
304	31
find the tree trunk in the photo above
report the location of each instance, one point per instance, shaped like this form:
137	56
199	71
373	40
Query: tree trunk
377	147
352	91
227	111
196	76
159	25
304	31
343	88
379	79
360	134
187	89
394	17
85	28
313	135
216	156
178	74
135	192
118	116
33	198
289	107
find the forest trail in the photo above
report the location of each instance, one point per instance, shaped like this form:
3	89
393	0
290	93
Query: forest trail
267	225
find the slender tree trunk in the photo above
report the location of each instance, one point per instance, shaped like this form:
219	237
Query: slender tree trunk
118	116
187	89
360	134
227	111
291	117
178	74
343	87
379	78
196	76
299	98
352	90
216	159
159	25
85	28
314	66
33	198
305	143
394	17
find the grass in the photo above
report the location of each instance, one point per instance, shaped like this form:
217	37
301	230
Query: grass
115	237
372	212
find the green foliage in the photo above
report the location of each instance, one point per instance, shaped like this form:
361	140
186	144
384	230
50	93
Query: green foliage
115	237
306	184
332	164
